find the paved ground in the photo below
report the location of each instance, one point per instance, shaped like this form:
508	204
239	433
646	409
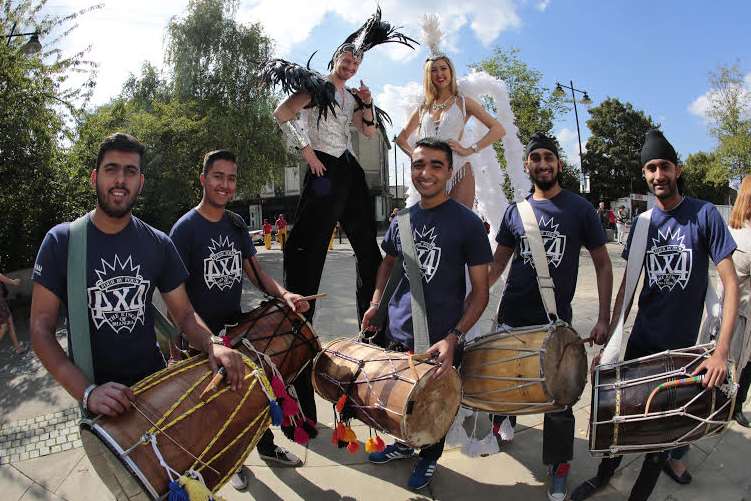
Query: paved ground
41	458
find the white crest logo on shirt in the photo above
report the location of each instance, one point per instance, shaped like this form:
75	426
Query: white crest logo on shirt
669	262
553	241
428	253
118	298
223	266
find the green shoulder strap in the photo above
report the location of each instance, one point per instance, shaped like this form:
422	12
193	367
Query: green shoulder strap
79	337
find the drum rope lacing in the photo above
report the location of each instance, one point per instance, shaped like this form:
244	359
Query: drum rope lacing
160	427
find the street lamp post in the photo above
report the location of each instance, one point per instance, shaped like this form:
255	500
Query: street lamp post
32	46
396	177
585	100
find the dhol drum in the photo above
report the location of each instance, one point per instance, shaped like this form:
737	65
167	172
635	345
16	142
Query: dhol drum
276	331
171	430
526	370
652	403
388	391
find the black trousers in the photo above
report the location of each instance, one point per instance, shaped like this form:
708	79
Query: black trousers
557	435
341	194
743	383
653	461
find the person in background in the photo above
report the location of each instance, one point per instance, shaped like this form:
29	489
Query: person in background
267	229
6	316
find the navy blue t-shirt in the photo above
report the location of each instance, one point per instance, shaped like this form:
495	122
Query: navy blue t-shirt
447	238
679	245
567	222
122	271
214	253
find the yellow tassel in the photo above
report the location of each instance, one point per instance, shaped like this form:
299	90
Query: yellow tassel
349	435
370	445
197	490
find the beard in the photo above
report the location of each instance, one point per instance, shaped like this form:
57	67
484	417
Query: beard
545	185
111	211
672	189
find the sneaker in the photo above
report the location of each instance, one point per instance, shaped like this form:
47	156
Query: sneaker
239	481
558	477
390	453
507	430
281	456
422	474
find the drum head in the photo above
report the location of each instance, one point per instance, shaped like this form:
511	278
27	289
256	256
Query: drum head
121	482
564	365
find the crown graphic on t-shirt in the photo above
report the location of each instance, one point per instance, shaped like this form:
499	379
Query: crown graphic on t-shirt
669	237
548	225
118	299
222	245
117	267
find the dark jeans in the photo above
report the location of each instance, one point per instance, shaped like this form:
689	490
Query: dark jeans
266	444
341	194
557	435
743	383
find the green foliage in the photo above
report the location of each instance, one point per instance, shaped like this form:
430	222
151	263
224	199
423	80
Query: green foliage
613	149
706	178
730	115
38	104
535	108
208	98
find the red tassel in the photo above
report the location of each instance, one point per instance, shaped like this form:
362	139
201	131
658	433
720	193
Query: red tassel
353	447
301	437
227	341
290	407
340	403
380	446
278	386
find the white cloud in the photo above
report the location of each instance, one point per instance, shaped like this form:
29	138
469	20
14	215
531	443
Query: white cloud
702	104
568	139
399	101
542	5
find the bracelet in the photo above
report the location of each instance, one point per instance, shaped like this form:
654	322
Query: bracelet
374	303
86	395
459	335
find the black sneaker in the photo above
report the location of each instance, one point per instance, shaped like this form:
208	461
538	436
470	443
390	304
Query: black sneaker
741	419
281	456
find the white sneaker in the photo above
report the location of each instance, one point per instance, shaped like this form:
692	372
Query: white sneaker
507	430
239	481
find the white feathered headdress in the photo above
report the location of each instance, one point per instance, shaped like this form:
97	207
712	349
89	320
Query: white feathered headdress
432	35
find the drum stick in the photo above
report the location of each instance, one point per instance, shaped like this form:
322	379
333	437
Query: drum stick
313	297
214	382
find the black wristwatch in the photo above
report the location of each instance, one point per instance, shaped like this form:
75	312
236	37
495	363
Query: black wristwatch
459	334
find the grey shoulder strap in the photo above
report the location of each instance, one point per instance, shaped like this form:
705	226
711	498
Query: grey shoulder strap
79	337
536	246
614	351
419	314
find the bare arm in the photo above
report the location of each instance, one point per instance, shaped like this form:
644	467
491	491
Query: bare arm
286	112
109	399
604	271
272	286
716	365
403	137
382	276
366	114
194	328
10	281
501	258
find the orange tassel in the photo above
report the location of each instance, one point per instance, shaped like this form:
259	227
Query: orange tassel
349	435
353	447
340	403
370	445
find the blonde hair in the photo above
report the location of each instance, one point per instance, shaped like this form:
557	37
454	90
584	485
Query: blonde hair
742	208
429	89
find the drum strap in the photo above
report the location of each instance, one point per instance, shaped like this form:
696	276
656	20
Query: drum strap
414	274
78	329
615	349
540	259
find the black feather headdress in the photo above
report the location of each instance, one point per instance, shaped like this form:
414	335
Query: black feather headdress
373	32
292	77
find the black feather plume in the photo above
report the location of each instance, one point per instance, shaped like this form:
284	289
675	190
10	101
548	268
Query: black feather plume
292	77
373	32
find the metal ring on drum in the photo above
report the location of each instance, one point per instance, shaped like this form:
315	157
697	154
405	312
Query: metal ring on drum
388	392
526	370
620	422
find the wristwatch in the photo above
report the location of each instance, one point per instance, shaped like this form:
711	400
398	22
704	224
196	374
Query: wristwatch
86	395
459	334
217	340
474	148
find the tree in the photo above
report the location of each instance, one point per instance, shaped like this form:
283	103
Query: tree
38	104
705	178
613	149
729	113
208	97
535	107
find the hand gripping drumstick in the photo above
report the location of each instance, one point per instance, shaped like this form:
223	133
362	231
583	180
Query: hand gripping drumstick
672	384
214	382
313	297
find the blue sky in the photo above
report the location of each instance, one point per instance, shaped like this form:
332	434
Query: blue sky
654	54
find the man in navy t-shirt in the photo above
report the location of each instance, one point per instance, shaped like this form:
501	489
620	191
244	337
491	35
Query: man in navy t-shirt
449	238
567	223
126	260
684	233
216	247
